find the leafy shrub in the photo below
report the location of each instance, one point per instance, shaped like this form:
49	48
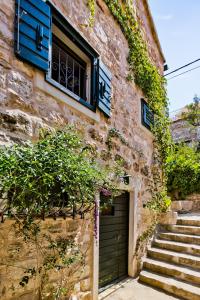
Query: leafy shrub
183	169
192	115
58	171
57	176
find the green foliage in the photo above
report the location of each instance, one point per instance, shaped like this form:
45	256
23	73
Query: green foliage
160	202
145	237
59	170
91	5
57	176
114	133
147	76
183	169
144	72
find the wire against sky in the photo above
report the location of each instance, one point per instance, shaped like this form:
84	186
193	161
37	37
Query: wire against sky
183	73
192	62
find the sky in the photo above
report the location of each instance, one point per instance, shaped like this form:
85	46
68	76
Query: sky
178	27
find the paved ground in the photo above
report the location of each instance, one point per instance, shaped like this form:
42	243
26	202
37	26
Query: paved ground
130	289
191	216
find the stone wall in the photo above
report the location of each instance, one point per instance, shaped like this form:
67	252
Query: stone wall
190	204
182	131
28	103
16	256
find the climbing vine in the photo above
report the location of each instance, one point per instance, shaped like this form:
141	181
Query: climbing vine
114	133
144	237
144	72
147	76
91	5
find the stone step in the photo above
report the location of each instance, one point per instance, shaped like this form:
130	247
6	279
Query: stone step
189	221
175	271
174	257
177	246
178	237
193	230
171	285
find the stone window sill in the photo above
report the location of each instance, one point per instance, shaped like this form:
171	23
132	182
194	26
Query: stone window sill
69	93
49	87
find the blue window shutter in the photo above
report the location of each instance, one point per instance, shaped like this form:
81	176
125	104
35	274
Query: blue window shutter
104	89
147	115
33	32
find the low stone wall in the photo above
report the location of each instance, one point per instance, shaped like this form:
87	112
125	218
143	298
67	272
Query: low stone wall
168	218
190	204
16	256
193	197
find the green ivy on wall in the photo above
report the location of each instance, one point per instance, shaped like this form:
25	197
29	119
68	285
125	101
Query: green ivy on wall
147	76
91	5
144	72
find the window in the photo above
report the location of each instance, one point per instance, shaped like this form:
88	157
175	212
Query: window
71	68
47	40
67	69
147	115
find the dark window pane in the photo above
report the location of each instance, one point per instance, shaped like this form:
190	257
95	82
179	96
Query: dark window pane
83	83
63	60
70	74
68	69
55	63
76	79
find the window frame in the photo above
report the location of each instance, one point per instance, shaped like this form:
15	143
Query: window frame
76	38
144	103
68	47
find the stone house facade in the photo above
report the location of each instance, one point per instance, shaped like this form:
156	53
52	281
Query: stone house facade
59	71
183	131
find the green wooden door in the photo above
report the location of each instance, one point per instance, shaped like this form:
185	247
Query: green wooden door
113	240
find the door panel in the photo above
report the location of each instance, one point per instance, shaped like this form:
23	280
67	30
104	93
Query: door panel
113	240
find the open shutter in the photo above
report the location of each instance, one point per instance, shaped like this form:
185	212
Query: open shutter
104	86
33	32
147	115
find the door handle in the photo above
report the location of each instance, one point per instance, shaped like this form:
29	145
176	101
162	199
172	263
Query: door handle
118	237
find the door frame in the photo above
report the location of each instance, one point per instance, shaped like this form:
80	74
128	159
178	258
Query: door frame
132	189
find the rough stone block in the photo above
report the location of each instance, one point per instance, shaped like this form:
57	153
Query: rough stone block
7	7
14	100
85	285
20	84
3	98
186	205
2	77
101	33
168	218
176	205
85	296
5	33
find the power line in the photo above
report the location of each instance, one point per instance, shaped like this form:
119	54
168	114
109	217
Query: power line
182	67
184	73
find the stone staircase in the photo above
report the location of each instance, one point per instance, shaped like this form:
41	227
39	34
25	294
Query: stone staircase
173	260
